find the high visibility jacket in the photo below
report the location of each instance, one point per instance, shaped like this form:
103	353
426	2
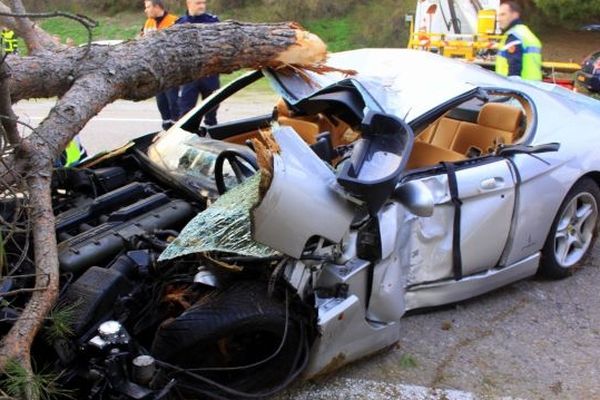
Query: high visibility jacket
154	24
9	41
73	154
532	53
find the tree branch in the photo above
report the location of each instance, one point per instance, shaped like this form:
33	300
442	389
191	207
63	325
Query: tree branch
37	39
88	81
167	58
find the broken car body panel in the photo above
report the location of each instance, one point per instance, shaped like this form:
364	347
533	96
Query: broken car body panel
301	201
317	268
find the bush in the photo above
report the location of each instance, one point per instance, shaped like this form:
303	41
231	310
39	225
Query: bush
573	11
381	23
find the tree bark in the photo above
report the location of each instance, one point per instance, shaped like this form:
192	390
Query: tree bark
167	58
86	81
8	122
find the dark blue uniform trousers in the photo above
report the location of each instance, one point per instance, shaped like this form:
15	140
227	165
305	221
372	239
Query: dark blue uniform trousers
189	93
167	102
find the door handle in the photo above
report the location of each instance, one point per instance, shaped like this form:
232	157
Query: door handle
492	183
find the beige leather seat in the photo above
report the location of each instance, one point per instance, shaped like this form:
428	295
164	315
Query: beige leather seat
497	123
307	130
441	133
425	154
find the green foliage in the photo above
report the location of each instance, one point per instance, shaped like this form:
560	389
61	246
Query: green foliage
573	11
125	26
337	33
61	320
381	23
16	381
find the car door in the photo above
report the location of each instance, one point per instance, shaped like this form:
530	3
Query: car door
445	249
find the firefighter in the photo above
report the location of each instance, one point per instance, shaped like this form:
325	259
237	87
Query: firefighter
159	18
9	41
520	50
188	93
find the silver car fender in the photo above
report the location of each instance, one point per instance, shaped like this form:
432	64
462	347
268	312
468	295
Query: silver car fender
302	200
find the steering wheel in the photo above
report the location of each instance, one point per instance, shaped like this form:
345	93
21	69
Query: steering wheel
240	163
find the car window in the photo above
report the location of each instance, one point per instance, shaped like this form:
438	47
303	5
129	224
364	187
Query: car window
254	100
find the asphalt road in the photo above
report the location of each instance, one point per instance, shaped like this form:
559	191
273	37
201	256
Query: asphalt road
535	339
115	125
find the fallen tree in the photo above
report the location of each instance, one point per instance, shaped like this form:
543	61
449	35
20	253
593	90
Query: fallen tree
85	79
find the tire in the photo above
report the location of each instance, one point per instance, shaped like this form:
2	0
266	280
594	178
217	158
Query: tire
243	323
573	232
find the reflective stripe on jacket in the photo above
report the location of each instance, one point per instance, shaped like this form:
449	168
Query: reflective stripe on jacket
532	53
73	153
9	41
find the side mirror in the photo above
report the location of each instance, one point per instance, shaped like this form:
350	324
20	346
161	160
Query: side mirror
416	197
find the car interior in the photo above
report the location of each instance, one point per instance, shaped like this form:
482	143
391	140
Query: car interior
330	123
469	131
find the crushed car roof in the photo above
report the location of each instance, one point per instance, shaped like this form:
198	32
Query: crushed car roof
403	82
409	83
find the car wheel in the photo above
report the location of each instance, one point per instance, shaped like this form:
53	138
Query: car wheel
573	231
236	337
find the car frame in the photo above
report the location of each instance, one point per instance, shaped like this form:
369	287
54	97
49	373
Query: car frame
511	200
390	181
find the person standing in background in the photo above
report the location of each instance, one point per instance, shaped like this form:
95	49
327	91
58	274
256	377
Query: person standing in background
189	93
159	18
520	50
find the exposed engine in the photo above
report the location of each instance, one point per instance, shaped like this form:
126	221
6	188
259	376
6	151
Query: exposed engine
140	329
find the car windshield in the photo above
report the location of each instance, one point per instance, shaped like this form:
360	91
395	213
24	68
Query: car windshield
191	159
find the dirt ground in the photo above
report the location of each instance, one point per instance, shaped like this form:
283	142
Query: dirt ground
564	45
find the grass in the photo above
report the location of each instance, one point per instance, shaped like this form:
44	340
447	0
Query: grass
407	361
123	26
337	33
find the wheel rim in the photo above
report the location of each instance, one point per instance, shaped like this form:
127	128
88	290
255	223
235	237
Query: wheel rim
575	230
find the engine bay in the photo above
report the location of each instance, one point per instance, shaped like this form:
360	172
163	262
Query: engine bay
136	328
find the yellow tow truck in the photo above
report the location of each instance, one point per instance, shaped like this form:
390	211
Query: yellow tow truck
468	29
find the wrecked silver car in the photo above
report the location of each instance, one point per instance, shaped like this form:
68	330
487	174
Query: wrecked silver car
227	261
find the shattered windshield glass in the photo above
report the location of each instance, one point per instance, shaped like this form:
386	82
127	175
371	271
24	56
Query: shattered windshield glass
191	158
226	226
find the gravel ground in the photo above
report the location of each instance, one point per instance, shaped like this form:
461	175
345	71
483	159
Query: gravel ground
536	339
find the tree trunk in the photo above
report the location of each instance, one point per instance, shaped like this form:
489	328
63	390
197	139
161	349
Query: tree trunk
86	81
138	69
167	58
